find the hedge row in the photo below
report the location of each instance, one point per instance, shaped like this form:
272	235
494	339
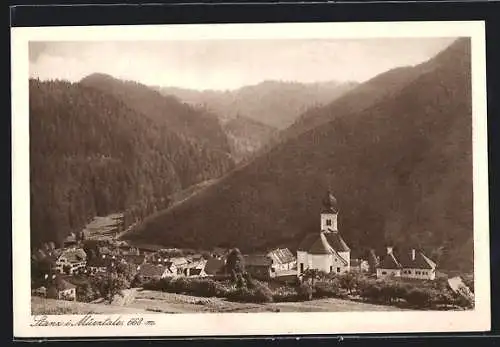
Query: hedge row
417	295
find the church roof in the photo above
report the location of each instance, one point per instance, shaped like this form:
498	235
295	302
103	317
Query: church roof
336	241
321	243
321	246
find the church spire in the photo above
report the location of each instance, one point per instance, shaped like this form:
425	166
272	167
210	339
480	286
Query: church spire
330	203
329	213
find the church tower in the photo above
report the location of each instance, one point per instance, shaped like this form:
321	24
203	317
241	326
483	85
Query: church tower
329	213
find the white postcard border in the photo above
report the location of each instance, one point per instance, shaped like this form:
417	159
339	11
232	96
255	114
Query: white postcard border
207	324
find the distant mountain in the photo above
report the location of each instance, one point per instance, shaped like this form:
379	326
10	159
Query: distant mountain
197	125
94	151
273	103
247	136
401	169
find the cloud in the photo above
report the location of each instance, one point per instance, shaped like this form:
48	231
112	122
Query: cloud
228	64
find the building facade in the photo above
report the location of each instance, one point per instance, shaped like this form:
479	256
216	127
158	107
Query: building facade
325	250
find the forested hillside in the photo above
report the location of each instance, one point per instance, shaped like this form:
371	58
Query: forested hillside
197	124
401	169
247	136
274	103
92	154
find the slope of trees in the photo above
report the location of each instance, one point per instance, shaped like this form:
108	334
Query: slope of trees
91	154
401	170
275	103
197	124
247	136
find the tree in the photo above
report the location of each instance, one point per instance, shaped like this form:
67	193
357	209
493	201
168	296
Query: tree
348	281
313	274
111	285
85	292
305	291
235	263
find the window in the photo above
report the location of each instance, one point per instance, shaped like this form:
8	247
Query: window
329	222
338	269
331	268
301	267
384	273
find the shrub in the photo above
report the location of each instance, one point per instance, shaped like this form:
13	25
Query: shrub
348	281
418	297
324	289
285	294
305	291
262	292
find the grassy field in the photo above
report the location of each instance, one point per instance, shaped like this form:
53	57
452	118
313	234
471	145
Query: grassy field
56	307
145	301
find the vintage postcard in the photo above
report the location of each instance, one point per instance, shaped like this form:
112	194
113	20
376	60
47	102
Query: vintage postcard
250	179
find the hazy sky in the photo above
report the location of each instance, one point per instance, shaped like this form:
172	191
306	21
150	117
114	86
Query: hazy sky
229	64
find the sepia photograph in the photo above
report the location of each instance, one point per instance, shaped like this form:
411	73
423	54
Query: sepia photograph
241	176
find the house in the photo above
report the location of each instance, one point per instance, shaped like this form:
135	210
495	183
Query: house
389	266
70	240
214	267
195	268
40	291
259	266
71	261
359	265
283	260
325	250
154	271
457	285
414	265
148	249
101	264
126	249
417	265
196	272
62	290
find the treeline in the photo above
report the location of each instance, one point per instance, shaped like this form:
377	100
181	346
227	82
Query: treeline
90	154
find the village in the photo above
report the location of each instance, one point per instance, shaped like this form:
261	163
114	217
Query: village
322	260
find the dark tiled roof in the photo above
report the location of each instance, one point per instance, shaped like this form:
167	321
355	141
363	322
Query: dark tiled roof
75	255
152	270
307	242
336	241
313	243
390	262
101	262
257	260
320	246
420	262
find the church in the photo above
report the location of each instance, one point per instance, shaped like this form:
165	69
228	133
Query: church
325	250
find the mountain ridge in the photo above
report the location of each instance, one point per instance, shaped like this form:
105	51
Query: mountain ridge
401	169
